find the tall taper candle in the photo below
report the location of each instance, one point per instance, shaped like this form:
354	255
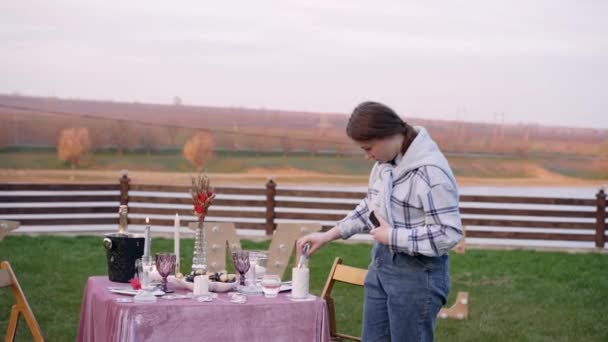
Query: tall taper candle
147	241
176	243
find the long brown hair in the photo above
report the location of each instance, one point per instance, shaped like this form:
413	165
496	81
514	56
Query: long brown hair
374	120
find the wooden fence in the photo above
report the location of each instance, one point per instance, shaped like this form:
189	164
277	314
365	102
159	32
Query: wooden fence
494	217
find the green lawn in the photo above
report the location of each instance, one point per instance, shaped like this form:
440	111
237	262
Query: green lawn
172	161
514	295
237	162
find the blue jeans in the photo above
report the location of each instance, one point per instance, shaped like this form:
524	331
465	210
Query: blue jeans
403	295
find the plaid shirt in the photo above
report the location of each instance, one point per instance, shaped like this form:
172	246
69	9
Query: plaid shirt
423	203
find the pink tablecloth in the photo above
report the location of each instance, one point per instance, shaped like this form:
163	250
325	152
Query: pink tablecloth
103	319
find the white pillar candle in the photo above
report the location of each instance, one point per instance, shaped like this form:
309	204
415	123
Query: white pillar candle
201	285
147	240
300	279
176	238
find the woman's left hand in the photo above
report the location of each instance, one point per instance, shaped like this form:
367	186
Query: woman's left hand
381	233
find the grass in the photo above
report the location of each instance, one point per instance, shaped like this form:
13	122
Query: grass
514	295
596	169
238	162
172	161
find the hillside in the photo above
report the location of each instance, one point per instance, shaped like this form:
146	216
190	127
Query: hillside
37	121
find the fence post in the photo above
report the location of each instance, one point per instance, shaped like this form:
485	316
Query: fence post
124	188
600	219
271	191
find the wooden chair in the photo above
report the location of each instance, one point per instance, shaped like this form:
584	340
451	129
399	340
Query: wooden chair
6	227
460	309
461	247
21	307
283	243
345	274
217	235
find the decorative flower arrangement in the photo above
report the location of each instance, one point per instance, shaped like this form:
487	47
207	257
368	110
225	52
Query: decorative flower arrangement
202	195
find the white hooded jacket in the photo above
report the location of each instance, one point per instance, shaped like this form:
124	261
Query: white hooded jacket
423	209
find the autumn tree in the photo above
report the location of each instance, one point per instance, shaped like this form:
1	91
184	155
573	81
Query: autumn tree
73	144
199	150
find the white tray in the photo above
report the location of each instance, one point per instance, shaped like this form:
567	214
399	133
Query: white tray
130	292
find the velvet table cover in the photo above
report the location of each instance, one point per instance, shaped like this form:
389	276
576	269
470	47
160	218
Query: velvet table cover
103	319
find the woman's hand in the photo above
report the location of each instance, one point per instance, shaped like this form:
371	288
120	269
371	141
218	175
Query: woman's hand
381	233
316	241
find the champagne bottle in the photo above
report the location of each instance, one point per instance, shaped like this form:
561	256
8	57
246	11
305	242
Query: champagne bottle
122	220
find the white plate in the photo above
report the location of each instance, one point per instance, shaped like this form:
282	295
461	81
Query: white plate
285	286
130	292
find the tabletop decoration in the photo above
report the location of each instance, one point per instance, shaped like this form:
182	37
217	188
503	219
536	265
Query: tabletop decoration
221	281
147	241
165	264
135	284
240	260
202	196
176	244
122	249
300	276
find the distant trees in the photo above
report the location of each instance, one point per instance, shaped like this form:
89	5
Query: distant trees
149	138
603	150
73	144
264	142
287	145
344	148
199	150
5	132
172	131
122	135
315	146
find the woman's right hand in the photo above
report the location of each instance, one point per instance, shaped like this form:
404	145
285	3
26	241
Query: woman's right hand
316	241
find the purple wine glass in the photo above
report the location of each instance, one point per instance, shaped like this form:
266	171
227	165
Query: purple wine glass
165	263
240	259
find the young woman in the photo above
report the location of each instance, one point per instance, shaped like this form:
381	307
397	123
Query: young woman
413	194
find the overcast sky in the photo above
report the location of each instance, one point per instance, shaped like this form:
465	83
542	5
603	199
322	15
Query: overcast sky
479	60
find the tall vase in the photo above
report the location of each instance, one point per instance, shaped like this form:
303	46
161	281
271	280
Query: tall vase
199	260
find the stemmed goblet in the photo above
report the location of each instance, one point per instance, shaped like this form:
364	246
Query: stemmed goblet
240	259
144	267
165	263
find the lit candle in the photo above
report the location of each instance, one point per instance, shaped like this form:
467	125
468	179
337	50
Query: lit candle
147	240
176	243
